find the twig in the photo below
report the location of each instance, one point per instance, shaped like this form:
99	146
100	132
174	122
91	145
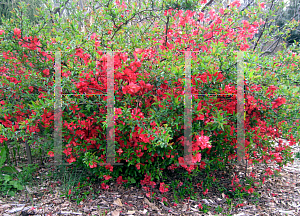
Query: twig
22	209
263	28
268	51
208	4
127	21
167	28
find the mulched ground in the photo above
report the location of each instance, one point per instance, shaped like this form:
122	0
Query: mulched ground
280	195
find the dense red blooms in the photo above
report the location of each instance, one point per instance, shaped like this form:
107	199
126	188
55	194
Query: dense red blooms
278	102
138	135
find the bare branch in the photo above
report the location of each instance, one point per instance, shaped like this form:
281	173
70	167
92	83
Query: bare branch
207	4
57	10
269	51
247	5
263	28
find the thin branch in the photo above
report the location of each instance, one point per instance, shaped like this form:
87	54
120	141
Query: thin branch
268	51
262	29
207	4
247	6
57	10
127	21
167	28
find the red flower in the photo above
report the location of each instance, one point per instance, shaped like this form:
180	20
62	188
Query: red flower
93	36
51	153
46	72
68	151
262	5
163	188
109	167
31	89
17	31
251	190
180	184
146	180
181	162
205	192
41	96
197	158
238	205
270	90
132	88
120	180
152	183
71	159
104	186
237	3
120	151
138	50
118	111
278	102
149	194
164	199
202	141
153	124
107	177
200	206
69	192
146	188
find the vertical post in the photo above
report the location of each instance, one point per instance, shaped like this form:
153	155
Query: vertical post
240	109
57	110
110	150
187	110
28	152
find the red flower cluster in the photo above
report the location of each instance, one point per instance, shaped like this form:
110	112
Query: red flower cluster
139	95
163	188
120	180
278	102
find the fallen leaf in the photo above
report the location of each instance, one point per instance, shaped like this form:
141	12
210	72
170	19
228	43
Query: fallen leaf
151	204
118	202
144	211
184	208
29	190
115	213
194	209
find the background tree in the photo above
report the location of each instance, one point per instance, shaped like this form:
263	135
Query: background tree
7	6
292	12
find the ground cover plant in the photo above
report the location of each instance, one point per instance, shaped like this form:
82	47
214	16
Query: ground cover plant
149	83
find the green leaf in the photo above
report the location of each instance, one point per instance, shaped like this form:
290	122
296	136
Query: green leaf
294	90
167	93
3	156
7	178
9	169
16	185
251	73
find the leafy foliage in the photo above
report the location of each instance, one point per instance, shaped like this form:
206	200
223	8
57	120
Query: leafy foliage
149	84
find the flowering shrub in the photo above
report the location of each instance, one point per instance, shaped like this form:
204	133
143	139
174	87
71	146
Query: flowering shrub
149	92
